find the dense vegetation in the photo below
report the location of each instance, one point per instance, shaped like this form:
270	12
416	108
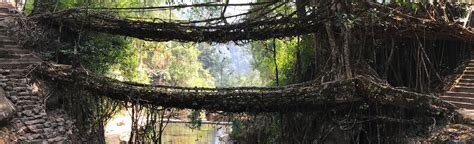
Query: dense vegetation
342	48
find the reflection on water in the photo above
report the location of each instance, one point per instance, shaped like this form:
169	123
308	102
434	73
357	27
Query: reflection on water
176	132
179	133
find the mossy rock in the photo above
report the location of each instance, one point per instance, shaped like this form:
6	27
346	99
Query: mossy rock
7	109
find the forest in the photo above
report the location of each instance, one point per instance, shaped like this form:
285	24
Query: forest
251	71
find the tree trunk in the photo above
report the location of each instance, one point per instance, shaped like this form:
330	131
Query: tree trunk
346	52
334	52
42	6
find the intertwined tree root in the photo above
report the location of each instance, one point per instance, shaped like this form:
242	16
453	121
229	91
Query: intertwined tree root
386	21
310	96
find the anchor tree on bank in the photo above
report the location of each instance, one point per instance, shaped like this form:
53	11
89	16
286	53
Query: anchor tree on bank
347	56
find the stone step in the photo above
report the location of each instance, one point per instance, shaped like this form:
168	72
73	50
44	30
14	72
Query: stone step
57	139
16	56
31	98
28	103
12	48
26	94
466	80
11	71
29	118
33	117
38	127
20	61
38	116
19	89
458	99
7	42
19	80
467	114
8	10
17	64
467	76
465	84
35	121
24	102
468	111
4	15
469	89
4	50
462	104
468	72
29	107
459	94
5	38
17	74
22	58
469	68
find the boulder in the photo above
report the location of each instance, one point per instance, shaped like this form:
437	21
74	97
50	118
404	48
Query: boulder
7	109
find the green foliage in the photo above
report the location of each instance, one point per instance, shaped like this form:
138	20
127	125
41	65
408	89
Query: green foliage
217	64
186	69
262	52
236	127
28	7
164	63
218	61
107	54
195	120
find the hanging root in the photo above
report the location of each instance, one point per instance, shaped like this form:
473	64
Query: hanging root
387	21
310	96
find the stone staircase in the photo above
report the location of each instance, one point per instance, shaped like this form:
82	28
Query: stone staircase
5	9
31	122
461	93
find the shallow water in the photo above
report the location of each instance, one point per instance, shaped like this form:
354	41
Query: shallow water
176	132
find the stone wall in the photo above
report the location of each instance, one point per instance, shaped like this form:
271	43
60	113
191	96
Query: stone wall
31	121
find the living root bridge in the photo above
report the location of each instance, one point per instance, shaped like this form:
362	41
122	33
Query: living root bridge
310	96
286	26
390	21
